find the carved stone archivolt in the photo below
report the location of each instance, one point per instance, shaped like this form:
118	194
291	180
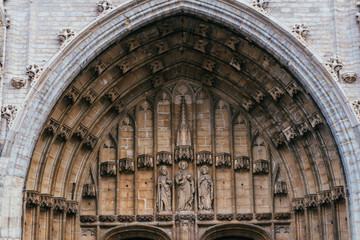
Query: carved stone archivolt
185	187
204	157
126	165
145	161
223	159
163	157
108	169
242	163
164	187
260	166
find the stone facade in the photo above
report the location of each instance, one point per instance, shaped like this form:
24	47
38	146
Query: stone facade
266	138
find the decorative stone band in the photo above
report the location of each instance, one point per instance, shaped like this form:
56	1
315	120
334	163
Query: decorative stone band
107	218
126	218
225	217
244	216
184	217
144	218
164	218
263	216
282	216
205	217
88	218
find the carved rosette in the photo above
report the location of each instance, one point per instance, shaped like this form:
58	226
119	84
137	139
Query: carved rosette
145	161
126	165
276	93
349	77
145	218
258	96
89	190
52	126
280	188
66	34
244	216
32	198
311	201
260	166
107	218
223	160
33	71
60	204
88	218
46	201
108	169
91	141
204	157
282	216
298	204
335	64
225	217
242	163
184	217
64	133
325	197
184	152
205	217
126	218
292	89
164	217
301	30
72	95
163	157
263	216
315	119
104	6
81	131
72	207
338	193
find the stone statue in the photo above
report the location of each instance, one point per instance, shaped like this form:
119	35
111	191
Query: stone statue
206	190
164	185
186	189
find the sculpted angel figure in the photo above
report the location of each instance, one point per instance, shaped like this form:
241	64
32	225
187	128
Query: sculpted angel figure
206	190
186	189
164	185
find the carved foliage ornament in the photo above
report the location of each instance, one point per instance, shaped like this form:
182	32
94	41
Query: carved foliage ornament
156	66
33	71
66	34
88	218
282	216
88	232
126	218
356	108
301	30
126	165
292	89
225	217
244	216
184	217
164	218
242	163
276	93
247	104
9	113
263	216
335	64
315	119
278	139
205	217
144	218
261	4
107	218
104	6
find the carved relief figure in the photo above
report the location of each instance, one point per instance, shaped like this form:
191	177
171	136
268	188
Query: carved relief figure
164	191
206	190
186	189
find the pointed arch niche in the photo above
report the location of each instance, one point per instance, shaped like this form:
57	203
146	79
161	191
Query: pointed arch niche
185	89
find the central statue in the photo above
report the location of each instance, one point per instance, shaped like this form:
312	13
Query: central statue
186	189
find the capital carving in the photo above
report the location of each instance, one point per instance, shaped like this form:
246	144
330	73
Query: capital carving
315	119
108	169
301	30
261	4
89	190
72	207
88	218
209	65
205	217
81	131
64	133
247	104
126	165
107	218
46	201
163	157
225	217
244	216
144	218
18	82
156	66
145	161
126	218
66	34
263	216
289	133
280	188
104	6
282	216
242	163
260	166
223	160
52	126
204	157
9	113
276	93
91	141
32	198
311	201
298	204
325	197
349	77
338	193
72	95
60	204
334	64
292	89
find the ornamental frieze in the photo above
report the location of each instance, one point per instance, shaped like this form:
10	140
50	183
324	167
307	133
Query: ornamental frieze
205	217
145	218
244	216
107	218
88	218
126	218
263	216
164	217
282	215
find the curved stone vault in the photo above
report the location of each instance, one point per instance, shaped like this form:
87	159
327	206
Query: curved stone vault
271	155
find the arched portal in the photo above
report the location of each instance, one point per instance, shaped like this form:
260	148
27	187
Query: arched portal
138	232
235	232
266	142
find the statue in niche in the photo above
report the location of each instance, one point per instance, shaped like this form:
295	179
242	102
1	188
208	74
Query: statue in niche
164	190
186	188
206	190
